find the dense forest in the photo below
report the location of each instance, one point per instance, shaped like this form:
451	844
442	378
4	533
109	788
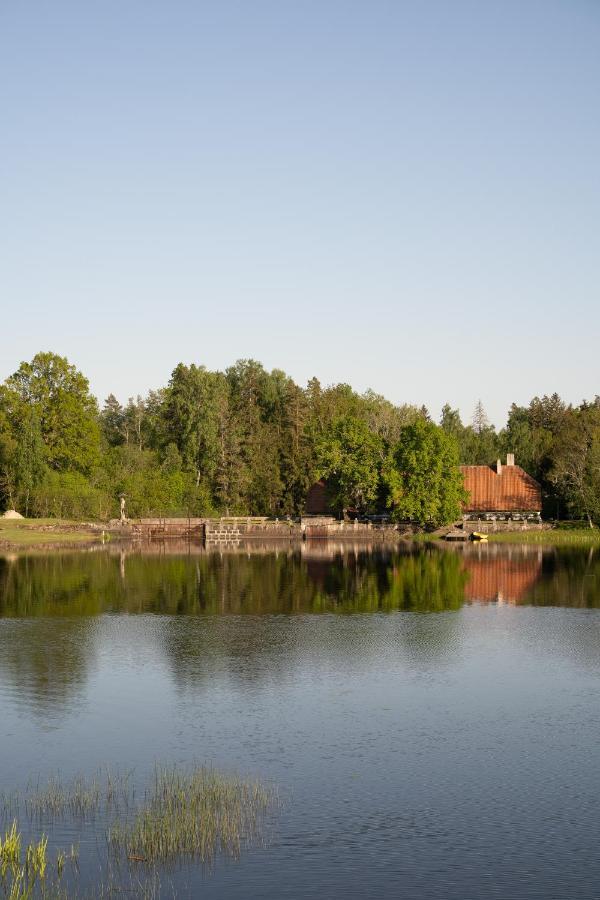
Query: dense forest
248	441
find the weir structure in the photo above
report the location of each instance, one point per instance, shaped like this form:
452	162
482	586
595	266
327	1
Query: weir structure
232	529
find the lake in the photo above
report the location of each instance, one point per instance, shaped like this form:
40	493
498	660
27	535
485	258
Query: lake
429	716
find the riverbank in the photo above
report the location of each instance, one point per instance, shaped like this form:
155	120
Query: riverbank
552	537
549	536
46	534
57	534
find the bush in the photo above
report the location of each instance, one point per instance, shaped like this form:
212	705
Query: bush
69	495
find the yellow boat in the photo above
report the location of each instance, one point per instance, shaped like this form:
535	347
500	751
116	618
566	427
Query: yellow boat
478	536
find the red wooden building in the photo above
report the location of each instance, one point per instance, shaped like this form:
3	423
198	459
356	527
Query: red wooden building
501	491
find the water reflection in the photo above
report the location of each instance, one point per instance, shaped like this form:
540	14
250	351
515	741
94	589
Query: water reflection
48	662
412	744
43	668
171	579
499	574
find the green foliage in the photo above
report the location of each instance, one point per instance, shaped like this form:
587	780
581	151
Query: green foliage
249	441
451	422
28	460
112	422
532	433
59	397
477	443
349	456
575	467
422	476
194	416
152	488
70	495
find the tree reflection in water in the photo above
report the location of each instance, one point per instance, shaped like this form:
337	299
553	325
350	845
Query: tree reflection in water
48	661
182	579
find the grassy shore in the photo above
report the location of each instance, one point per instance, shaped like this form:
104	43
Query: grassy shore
23	534
551	537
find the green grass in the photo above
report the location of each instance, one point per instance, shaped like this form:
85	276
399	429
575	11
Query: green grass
552	537
423	537
23	533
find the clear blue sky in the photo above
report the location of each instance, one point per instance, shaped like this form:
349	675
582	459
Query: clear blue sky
400	195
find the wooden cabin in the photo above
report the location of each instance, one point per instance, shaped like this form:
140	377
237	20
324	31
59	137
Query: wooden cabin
501	492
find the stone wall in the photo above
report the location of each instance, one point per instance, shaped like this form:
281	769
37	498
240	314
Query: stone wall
229	530
489	527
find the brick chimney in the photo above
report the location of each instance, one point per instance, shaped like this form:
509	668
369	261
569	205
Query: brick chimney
498	467
510	459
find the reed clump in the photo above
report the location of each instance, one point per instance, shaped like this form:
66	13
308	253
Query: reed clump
79	798
195	814
24	869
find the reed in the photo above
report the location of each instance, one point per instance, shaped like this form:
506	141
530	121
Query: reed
79	798
195	814
10	850
23	875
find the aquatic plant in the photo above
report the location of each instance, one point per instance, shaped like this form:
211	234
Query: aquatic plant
21	874
80	797
10	850
194	814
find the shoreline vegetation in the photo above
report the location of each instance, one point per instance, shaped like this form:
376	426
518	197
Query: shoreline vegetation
554	535
27	535
249	442
559	536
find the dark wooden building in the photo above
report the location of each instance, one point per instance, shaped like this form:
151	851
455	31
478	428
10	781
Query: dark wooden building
318	502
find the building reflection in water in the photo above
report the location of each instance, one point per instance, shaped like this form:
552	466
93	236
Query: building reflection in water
500	574
60	612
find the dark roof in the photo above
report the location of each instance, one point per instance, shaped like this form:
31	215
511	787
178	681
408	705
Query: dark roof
512	490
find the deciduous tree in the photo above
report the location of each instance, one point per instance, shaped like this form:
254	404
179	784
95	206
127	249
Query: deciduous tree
422	476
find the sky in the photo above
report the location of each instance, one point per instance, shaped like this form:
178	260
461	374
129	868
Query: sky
403	196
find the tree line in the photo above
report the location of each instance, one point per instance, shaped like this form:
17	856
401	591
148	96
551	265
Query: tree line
248	441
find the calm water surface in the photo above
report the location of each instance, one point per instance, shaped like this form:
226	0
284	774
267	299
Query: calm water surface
431	718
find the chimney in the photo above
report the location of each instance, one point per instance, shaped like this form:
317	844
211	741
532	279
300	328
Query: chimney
510	459
498	466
